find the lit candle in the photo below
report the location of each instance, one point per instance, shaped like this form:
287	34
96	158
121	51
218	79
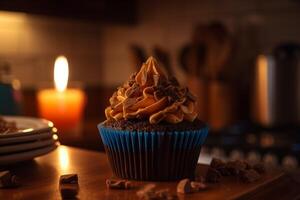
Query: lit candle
61	105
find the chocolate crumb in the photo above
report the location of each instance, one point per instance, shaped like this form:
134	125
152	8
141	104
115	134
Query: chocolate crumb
249	175
146	192
184	186
198	186
118	184
8	180
212	175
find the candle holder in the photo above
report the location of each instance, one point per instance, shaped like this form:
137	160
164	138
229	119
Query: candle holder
63	108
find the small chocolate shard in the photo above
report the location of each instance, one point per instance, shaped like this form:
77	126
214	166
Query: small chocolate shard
260	168
68	186
173	80
212	175
249	175
8	180
198	186
147	192
184	186
158	94
118	184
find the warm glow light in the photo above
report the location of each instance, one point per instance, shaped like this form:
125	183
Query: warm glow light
61	73
27	130
64	160
12	17
55	137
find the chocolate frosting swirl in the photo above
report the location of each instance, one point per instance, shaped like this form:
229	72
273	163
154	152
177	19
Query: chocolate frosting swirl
150	94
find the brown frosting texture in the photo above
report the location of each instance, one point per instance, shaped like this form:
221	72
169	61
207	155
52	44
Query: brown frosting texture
151	94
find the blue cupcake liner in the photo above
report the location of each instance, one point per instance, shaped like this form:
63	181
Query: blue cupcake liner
152	156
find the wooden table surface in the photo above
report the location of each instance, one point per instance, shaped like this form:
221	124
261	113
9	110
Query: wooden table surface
40	180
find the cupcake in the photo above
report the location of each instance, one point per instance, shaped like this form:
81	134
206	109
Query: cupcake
152	132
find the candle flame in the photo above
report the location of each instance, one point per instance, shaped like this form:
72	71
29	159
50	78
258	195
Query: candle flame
61	73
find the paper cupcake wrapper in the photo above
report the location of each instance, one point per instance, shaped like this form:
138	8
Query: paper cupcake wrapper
153	156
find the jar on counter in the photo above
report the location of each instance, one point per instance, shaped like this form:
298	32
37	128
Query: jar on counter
10	95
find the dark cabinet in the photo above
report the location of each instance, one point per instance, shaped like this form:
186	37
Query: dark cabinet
115	11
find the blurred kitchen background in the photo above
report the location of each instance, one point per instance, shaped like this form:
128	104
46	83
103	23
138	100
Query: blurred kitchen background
241	58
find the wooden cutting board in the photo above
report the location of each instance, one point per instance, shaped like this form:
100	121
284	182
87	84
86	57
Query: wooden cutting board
227	188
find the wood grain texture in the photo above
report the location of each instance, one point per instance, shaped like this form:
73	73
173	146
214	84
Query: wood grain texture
40	179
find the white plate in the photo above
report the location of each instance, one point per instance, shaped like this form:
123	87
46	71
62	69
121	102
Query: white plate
26	155
26	138
27	126
6	149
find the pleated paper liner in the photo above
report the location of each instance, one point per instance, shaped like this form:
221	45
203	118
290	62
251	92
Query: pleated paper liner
153	156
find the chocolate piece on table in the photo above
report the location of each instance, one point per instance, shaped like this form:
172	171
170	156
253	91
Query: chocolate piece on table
68	178
220	166
235	167
147	192
118	184
217	163
198	186
260	168
68	185
249	175
212	175
184	186
7	180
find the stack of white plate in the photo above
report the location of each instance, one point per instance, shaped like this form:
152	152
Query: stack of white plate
35	137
